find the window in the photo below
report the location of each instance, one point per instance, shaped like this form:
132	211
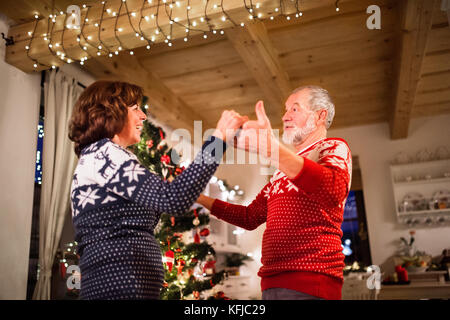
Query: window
355	239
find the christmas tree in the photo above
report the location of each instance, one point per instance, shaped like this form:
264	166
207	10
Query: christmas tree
189	267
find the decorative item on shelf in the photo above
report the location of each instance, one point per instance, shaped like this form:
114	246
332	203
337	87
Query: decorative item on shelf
424	155
416	263
234	261
402	158
442	153
407	248
413	201
440	200
412	259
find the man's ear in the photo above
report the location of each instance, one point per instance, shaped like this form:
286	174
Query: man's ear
323	114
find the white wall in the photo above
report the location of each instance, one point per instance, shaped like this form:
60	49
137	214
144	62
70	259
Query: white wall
19	111
19	115
249	179
375	149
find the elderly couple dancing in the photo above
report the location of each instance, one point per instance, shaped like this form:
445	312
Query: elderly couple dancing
116	202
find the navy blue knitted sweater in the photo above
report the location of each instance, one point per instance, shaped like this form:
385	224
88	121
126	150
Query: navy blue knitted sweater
116	204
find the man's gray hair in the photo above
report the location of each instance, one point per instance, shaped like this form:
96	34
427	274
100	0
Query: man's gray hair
319	100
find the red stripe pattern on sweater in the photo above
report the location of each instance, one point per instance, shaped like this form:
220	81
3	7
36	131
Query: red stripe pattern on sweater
303	215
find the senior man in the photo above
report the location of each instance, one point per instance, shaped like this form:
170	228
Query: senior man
303	203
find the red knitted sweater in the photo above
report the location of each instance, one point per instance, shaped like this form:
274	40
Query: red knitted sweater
301	246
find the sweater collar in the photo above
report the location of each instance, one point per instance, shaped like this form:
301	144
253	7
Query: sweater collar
310	146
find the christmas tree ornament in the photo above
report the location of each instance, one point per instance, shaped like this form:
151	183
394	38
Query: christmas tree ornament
161	145
196	237
204	232
169	259
172	221
196	295
180	265
196	221
149	143
165	171
165	159
209	268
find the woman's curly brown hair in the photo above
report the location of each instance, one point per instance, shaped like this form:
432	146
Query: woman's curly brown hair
101	111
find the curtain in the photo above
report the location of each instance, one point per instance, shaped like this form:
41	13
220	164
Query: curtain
58	164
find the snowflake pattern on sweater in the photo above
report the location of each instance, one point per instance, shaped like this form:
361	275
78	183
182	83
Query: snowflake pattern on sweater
303	215
116	204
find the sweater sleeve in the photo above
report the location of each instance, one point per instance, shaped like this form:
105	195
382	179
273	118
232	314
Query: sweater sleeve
128	179
327	180
248	217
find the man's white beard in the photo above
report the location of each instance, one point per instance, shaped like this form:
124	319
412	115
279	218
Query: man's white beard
298	135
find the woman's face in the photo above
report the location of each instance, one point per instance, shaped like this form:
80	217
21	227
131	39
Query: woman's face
131	132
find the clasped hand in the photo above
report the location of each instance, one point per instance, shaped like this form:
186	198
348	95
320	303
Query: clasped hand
250	135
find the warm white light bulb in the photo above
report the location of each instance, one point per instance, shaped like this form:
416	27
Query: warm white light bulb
131	52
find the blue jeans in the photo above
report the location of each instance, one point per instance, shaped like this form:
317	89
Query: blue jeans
286	294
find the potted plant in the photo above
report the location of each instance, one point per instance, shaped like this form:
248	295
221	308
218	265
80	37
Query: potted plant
234	261
413	259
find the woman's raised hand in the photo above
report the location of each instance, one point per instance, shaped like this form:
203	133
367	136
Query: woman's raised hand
228	124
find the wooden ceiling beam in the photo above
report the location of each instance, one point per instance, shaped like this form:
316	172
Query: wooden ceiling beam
415	27
164	104
256	50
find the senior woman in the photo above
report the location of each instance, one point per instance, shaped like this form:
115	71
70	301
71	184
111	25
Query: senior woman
116	202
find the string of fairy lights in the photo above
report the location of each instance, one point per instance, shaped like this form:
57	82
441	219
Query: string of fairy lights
150	11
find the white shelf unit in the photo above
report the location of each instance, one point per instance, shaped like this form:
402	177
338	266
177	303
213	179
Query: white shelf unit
424	178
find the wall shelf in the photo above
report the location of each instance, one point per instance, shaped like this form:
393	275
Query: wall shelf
423	178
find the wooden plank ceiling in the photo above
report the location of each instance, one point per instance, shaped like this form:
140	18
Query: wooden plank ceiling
361	68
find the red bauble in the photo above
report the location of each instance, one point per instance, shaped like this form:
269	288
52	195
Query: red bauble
149	143
172	220
204	232
165	159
